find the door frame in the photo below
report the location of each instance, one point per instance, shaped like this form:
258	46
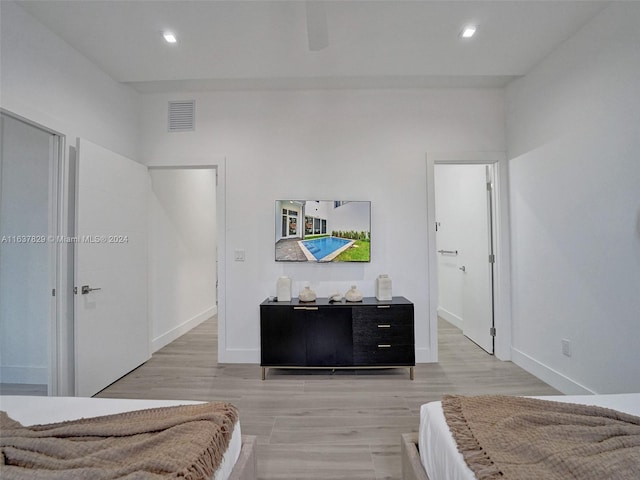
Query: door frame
58	329
219	164
502	267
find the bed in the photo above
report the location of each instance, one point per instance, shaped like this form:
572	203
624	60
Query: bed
238	462
432	453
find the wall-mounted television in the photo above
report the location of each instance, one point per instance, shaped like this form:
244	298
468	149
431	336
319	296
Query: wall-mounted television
323	231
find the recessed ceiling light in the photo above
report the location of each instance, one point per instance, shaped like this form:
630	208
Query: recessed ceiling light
170	37
468	31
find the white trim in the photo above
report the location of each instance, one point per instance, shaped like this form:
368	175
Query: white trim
204	166
502	270
53	230
432	261
66	271
240	355
37	125
221	203
549	375
426	355
168	337
468	158
502	281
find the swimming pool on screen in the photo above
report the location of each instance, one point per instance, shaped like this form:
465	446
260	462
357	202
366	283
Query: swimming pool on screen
324	249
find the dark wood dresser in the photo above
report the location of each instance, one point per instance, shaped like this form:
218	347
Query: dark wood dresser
321	334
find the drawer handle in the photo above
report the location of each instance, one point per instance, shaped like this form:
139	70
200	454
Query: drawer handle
311	308
384	346
384	306
299	308
384	326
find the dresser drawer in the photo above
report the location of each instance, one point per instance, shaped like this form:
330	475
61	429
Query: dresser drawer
384	355
393	315
372	334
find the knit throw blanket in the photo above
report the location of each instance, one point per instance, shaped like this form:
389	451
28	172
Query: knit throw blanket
186	442
522	438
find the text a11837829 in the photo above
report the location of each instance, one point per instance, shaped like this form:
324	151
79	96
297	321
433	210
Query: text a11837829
34	239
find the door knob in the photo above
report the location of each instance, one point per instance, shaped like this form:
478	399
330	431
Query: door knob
85	289
463	268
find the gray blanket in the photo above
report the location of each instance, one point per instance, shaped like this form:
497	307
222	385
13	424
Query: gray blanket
522	438
186	442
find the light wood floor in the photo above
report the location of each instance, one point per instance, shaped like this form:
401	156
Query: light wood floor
316	424
23	389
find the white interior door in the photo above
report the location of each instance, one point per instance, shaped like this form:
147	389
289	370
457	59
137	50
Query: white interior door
111	324
475	250
449	229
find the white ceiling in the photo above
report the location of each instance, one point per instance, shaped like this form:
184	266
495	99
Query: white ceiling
264	44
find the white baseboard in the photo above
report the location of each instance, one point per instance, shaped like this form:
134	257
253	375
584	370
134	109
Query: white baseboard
425	355
239	355
548	374
168	337
24	375
450	317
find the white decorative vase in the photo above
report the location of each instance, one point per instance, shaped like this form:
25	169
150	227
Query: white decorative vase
307	295
353	294
283	289
383	288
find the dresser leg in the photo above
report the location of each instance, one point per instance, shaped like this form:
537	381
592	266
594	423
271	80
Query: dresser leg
264	373
411	373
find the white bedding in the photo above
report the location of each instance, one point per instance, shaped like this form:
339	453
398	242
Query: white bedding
41	410
439	453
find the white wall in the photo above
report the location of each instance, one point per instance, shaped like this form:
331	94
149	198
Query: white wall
573	128
350	216
182	251
48	82
369	145
572	136
44	79
25	294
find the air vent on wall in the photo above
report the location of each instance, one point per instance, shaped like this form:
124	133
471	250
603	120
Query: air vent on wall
182	116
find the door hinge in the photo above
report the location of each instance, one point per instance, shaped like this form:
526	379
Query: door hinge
53	292
492	331
75	290
489	186
492	258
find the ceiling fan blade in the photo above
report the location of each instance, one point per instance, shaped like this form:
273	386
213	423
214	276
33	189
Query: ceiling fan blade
317	30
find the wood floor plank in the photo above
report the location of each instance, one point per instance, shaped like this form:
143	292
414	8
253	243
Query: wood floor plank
321	424
343	433
28	389
313	462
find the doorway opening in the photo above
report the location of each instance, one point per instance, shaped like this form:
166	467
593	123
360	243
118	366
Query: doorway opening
443	251
464	242
183	250
30	158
